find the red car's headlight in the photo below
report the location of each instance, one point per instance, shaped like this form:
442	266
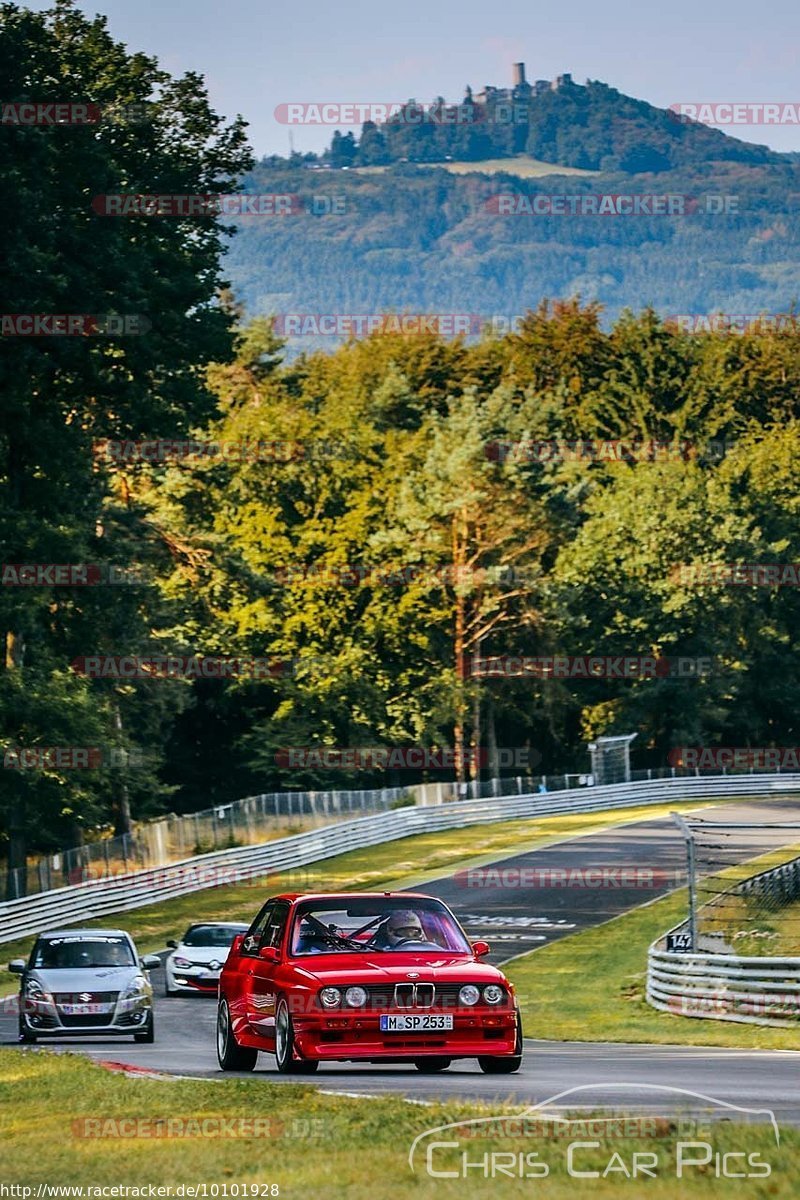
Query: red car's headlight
356	997
331	997
493	993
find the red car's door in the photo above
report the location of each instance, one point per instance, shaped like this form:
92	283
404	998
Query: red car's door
237	972
261	1000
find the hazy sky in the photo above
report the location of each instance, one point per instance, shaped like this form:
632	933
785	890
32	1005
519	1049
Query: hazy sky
256	54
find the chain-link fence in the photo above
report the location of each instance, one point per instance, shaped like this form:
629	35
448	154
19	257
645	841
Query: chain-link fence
744	884
274	814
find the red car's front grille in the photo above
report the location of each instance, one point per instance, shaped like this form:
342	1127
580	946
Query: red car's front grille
401	997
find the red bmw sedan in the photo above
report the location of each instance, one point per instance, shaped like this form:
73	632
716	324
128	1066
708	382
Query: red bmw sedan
368	977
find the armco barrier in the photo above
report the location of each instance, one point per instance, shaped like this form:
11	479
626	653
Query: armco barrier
754	990
93	900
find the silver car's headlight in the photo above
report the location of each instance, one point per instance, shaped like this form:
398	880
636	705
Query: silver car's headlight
356	997
493	993
331	997
136	988
469	995
35	992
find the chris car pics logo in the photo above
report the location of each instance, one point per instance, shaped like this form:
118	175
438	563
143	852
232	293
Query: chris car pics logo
680	1144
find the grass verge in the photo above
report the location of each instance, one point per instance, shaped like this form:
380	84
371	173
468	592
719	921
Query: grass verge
403	863
591	986
339	1146
521	165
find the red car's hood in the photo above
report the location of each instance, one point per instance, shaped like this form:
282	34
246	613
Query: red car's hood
345	969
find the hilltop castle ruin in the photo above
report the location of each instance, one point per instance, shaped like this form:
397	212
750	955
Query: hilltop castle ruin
521	90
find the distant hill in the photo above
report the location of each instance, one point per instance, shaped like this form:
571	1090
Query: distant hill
434	237
591	126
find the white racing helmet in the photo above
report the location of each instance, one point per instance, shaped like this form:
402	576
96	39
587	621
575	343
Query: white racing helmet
404	925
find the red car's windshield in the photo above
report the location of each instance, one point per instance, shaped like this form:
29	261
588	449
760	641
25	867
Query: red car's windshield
387	926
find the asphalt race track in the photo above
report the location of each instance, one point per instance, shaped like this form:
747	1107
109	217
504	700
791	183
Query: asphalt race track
534	898
523	902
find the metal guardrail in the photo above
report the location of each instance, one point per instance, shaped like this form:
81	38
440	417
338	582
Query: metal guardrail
250	821
753	989
95	899
255	819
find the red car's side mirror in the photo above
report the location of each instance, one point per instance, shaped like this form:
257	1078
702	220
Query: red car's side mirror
236	944
269	953
480	949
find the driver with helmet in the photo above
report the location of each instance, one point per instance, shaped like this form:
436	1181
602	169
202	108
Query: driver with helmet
403	925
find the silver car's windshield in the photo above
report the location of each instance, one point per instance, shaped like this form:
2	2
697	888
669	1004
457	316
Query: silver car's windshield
72	953
212	935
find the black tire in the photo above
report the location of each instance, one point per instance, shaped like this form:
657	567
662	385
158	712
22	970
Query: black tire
148	1034
429	1066
25	1034
284	1046
230	1055
505	1064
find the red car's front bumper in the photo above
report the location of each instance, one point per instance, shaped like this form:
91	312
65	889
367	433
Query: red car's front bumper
353	1036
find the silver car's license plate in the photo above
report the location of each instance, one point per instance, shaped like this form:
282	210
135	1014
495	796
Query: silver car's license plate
81	1010
415	1022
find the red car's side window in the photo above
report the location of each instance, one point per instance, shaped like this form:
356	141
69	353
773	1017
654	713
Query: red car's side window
252	941
273	933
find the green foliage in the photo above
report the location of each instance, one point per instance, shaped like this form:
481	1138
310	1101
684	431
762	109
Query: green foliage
418	239
63	394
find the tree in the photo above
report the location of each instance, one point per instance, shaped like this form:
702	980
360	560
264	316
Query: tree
60	395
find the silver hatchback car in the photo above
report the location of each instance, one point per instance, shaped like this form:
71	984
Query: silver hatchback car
80	982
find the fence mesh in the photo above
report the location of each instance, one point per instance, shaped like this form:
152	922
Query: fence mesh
260	818
745	883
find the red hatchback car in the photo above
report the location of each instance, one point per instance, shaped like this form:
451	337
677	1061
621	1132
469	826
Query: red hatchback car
383	978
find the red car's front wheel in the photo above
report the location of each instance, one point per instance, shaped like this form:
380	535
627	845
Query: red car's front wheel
430	1066
231	1056
288	1064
